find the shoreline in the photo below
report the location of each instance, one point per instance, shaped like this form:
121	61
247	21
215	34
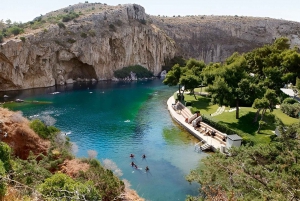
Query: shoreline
215	144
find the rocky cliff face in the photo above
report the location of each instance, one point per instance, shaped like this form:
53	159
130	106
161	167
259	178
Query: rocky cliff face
111	37
93	47
214	38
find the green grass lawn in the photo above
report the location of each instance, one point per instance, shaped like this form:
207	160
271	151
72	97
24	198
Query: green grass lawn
245	122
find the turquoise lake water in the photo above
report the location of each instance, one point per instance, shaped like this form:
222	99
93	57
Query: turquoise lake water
117	119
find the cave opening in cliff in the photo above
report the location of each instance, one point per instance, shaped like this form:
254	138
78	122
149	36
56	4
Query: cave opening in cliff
77	69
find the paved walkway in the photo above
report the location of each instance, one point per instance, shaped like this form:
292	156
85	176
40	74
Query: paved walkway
216	145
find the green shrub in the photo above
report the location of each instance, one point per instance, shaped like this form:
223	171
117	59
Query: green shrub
42	130
108	185
5	152
83	35
71	40
112	27
289	101
61	25
292	110
15	30
92	33
60	186
70	16
298	83
1	38
2	182
22	39
140	71
30	172
143	21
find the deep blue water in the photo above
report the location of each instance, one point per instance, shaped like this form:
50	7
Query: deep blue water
116	119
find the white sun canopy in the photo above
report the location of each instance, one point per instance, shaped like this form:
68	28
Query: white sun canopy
288	92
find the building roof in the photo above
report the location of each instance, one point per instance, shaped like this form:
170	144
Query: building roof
234	137
288	92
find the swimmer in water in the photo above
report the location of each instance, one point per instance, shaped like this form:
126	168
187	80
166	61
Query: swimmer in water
147	169
132	164
144	156
131	156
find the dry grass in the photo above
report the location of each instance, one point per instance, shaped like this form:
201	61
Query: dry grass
73	167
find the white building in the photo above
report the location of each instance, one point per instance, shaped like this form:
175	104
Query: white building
233	140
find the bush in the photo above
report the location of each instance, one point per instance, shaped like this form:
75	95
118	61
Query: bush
71	40
2	182
22	39
143	21
60	186
61	25
289	101
83	35
42	130
140	71
30	172
70	16
5	152
298	83
15	30
292	110
1	38
92	33
112	27
108	185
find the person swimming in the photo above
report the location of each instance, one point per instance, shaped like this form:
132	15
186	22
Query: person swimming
132	164
136	167
131	156
147	168
143	156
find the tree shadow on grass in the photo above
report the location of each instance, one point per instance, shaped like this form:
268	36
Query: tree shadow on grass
245	123
202	103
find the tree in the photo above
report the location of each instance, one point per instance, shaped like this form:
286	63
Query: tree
173	78
220	91
262	104
233	72
8	22
190	82
62	187
261	172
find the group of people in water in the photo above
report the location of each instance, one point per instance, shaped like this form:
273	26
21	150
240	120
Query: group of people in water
134	165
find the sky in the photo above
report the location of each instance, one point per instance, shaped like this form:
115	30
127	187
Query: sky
26	10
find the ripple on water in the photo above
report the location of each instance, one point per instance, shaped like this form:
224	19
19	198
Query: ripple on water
128	118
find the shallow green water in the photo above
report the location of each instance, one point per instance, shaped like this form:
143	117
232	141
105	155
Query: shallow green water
117	119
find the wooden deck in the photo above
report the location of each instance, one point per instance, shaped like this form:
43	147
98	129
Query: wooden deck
203	133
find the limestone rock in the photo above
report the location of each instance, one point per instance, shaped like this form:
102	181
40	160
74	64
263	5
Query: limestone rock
214	38
70	81
111	37
116	37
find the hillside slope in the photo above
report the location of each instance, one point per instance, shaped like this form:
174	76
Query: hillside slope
214	38
102	39
91	47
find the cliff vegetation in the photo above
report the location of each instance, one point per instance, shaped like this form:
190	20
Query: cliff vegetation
36	163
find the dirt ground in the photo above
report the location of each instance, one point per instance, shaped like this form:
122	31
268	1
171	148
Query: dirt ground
15	131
